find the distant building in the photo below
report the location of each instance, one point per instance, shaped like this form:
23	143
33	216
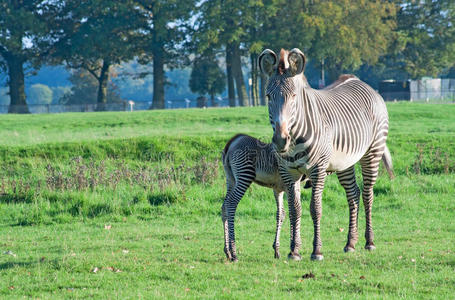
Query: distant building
424	89
395	90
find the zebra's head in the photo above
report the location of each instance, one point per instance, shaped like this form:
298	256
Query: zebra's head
282	92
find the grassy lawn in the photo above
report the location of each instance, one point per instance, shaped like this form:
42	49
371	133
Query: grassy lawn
127	205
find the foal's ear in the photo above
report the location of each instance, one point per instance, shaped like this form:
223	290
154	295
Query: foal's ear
296	60
267	62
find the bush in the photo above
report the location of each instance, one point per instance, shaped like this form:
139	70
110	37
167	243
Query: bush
39	94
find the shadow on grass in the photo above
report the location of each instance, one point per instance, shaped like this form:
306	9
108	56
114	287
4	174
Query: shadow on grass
163	198
381	190
10	265
16	198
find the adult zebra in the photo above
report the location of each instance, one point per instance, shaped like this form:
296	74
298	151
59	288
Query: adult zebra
318	132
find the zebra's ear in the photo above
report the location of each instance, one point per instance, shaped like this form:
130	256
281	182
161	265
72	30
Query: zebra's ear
267	62
296	60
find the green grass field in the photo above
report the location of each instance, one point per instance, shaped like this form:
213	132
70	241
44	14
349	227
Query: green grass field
127	205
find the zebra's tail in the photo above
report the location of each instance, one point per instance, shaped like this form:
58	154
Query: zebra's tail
387	160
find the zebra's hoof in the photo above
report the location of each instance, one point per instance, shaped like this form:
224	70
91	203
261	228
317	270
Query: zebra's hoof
370	247
234	259
294	256
349	249
317	257
277	255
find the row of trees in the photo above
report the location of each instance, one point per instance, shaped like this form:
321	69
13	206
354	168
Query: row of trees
405	37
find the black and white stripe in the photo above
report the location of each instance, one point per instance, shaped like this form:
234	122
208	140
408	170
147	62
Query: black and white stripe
247	160
326	131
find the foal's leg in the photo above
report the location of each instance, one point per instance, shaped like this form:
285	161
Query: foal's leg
280	214
231	206
224	215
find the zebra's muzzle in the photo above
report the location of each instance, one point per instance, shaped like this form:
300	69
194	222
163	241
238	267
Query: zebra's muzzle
281	142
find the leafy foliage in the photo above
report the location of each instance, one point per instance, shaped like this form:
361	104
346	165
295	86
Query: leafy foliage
207	77
164	36
377	40
39	94
347	34
427	36
84	90
4	97
23	39
22	31
94	35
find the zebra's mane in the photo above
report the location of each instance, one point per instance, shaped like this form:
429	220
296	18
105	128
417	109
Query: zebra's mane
341	80
228	144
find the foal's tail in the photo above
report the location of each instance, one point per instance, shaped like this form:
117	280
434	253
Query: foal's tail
387	160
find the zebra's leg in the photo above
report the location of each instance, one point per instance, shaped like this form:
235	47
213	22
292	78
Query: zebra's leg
317	177
231	202
370	166
230	182
224	217
347	180
280	214
295	213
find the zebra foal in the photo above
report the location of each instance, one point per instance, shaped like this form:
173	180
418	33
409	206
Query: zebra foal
246	160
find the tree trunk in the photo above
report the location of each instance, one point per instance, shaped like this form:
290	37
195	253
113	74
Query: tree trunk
103	81
238	76
158	77
16	84
262	90
212	100
230	78
332	71
254	79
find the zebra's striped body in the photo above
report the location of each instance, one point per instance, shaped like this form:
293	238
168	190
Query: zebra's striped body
324	131
247	160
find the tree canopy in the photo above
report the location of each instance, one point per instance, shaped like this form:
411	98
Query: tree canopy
39	94
95	34
84	90
207	77
23	39
428	36
376	40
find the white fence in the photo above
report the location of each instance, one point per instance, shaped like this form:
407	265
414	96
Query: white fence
124	106
432	89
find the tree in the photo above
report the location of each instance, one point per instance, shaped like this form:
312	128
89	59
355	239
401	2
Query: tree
4	98
58	92
22	29
345	34
207	77
164	36
427	37
222	24
94	35
39	94
267	27
85	90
